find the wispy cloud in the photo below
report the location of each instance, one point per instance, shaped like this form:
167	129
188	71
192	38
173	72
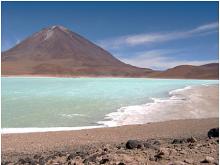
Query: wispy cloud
139	39
159	59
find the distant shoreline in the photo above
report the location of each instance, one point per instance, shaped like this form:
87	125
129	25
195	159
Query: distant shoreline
52	76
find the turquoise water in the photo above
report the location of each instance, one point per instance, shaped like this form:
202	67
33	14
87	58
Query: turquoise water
74	102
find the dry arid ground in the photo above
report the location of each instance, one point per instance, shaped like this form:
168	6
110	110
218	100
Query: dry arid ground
172	142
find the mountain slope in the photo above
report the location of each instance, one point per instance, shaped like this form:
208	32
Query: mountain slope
208	71
58	51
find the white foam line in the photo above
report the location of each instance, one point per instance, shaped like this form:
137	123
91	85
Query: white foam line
180	90
131	115
49	129
210	84
72	115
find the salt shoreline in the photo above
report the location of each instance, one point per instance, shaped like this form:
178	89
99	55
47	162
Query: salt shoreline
179	100
52	76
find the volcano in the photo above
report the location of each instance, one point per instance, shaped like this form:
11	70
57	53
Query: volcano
57	51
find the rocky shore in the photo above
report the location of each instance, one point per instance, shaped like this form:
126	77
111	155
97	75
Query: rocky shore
193	148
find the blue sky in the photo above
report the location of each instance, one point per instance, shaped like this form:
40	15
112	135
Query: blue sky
158	35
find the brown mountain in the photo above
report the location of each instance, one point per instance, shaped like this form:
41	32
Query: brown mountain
208	71
57	51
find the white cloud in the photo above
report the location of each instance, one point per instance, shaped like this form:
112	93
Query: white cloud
158	59
207	27
138	39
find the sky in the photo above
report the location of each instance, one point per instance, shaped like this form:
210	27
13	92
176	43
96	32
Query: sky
156	35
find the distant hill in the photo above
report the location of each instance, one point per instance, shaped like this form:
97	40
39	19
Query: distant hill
57	51
208	71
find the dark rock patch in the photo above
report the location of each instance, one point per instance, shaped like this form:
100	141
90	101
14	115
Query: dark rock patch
71	156
191	140
132	144
156	142
121	163
214	132
208	159
103	161
178	141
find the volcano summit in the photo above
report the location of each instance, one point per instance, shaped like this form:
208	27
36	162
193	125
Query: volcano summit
57	51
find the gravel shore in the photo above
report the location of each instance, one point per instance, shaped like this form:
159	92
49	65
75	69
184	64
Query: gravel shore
56	147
